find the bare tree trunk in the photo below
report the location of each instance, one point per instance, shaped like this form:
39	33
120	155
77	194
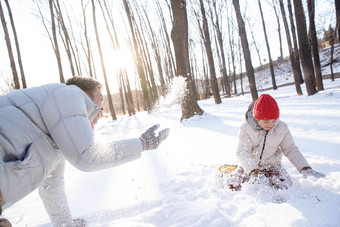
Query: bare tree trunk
240	56
254	42
120	88
94	67
122	73
131	107
314	43
149	69
113	41
67	38
73	45
139	60
221	46
115	46
304	48
53	37
87	51
193	81
206	84
76	56
126	96
195	76
337	11
332	40
155	47
246	52
169	54
55	43
145	47
207	44
179	35
291	51
23	79
229	69
109	98
268	48
218	53
232	50
296	49
137	82
194	71
9	49
331	57
273	4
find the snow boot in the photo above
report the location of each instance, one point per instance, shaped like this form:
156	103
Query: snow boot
3	222
226	169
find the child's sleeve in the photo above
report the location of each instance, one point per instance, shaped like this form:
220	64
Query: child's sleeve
292	152
243	151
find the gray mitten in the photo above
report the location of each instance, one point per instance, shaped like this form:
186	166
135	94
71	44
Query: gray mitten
150	140
310	172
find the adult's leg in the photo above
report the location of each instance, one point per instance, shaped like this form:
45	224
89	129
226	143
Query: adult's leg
52	193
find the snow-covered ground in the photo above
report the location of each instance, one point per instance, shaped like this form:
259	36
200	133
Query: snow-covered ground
178	184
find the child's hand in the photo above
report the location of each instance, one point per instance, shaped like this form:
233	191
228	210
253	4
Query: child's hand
310	172
257	177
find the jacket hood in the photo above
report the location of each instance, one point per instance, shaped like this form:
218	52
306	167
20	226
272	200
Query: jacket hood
250	119
91	107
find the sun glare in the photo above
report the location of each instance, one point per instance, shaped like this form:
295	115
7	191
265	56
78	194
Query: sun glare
123	59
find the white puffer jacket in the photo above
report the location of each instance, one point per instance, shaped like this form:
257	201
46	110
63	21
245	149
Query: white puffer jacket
41	127
274	143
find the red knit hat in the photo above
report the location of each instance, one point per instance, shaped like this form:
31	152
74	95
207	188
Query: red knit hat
266	108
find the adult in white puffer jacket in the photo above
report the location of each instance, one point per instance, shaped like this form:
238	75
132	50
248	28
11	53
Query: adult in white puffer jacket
263	140
41	127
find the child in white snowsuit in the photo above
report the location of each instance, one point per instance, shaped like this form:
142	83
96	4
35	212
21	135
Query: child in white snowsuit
263	139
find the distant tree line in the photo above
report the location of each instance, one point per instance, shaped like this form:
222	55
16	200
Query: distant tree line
205	41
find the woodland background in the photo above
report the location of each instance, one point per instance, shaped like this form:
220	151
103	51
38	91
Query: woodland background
136	48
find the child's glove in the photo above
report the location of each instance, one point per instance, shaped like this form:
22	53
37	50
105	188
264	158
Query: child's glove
310	172
150	140
257	177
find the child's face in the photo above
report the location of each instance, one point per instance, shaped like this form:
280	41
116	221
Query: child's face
267	124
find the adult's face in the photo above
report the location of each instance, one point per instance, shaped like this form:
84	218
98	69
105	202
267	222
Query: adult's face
97	97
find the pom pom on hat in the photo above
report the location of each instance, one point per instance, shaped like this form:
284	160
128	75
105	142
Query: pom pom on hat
266	108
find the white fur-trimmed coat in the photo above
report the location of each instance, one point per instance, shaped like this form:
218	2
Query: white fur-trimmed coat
40	128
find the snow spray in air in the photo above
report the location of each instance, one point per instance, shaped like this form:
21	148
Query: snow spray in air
174	95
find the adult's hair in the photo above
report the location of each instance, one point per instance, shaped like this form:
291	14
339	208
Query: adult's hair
86	84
